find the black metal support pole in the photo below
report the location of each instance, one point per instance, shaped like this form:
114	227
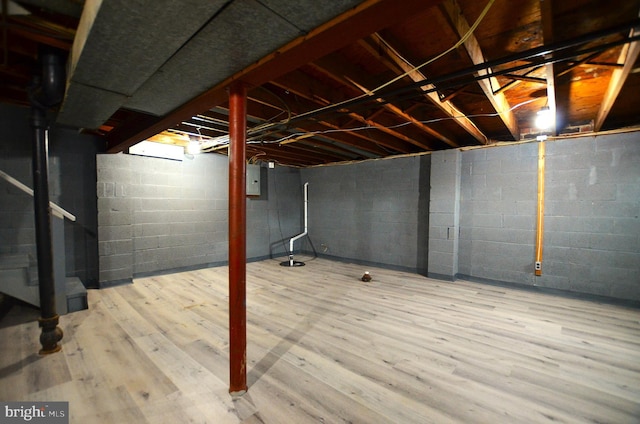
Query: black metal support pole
51	333
46	91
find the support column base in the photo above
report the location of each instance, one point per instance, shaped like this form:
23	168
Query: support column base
237	394
50	336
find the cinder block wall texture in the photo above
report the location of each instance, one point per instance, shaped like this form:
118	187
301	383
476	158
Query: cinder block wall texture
368	212
592	219
444	211
158	215
498	198
591	223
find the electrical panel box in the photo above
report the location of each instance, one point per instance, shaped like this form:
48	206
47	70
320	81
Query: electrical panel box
253	180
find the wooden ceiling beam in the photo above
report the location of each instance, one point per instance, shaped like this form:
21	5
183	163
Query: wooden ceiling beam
546	9
452	11
375	125
257	111
42	38
526	78
354	78
382	49
516	82
287	155
337	148
581	62
628	57
356	139
370	120
319	139
330	131
301	146
309	89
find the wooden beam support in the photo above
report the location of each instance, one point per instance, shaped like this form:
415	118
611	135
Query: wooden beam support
351	77
452	10
526	78
407	117
551	96
296	82
516	82
382	46
546	8
628	56
328	135
581	62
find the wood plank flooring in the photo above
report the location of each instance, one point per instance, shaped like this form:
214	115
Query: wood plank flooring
324	347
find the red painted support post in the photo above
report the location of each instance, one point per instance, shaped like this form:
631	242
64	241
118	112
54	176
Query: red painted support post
237	239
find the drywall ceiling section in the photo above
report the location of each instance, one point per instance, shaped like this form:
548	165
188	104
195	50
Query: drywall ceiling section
307	15
125	43
89	104
135	50
242	33
130	41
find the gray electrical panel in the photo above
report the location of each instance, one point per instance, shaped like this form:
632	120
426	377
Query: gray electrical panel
253	180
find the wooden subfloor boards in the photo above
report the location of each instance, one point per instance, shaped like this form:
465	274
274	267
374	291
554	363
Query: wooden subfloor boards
325	347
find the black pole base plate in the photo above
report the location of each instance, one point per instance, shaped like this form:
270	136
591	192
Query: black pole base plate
288	263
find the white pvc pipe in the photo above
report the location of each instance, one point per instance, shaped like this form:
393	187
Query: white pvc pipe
306	201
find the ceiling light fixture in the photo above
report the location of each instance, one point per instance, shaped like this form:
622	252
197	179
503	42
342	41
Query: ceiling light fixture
157	150
544	118
194	146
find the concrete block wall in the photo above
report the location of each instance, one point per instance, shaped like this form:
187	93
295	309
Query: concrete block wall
368	212
160	215
179	212
285	205
444	214
74	157
385	212
498	201
592	216
115	218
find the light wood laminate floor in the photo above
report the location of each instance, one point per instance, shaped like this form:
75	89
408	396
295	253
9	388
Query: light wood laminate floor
324	347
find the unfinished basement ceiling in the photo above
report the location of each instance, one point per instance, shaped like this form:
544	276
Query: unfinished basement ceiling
333	81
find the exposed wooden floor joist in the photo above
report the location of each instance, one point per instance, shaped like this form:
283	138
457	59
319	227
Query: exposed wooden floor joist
326	347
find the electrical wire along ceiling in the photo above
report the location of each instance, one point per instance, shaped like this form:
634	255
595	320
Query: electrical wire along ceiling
333	81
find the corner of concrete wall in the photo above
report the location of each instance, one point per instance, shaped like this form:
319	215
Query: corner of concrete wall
366	212
444	214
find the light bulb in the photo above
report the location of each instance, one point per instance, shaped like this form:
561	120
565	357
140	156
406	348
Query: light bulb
544	118
193	148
